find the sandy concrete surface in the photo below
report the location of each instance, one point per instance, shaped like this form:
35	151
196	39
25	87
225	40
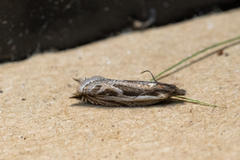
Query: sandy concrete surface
39	121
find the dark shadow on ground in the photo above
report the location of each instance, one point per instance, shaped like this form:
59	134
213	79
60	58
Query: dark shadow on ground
166	103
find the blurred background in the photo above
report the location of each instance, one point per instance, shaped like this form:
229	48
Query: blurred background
28	27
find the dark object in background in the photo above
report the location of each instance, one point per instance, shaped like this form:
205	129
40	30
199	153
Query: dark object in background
36	26
220	52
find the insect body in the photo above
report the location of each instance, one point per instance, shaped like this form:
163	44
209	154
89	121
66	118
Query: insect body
115	93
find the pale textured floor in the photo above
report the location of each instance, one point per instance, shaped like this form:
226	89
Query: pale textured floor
49	125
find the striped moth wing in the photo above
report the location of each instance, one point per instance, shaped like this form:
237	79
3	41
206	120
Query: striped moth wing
116	93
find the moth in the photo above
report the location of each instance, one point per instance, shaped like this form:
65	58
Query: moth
116	93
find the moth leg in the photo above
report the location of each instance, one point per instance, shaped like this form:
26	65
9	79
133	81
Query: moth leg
150	91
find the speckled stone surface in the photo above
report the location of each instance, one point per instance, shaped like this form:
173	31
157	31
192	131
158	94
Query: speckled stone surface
39	121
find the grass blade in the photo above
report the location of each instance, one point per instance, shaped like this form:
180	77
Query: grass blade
196	101
197	53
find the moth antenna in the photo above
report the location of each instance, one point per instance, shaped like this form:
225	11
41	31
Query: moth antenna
151	74
76	79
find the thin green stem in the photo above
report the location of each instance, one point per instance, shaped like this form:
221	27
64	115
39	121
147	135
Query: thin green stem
196	101
197	53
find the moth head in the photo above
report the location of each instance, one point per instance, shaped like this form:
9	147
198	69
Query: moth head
81	82
78	95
